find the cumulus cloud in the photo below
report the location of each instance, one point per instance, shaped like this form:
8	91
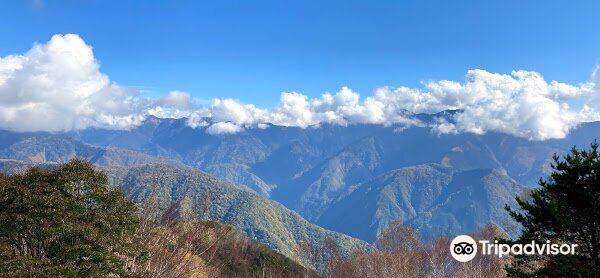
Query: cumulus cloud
594	89
293	110
223	128
175	105
522	103
58	86
177	99
229	110
345	107
297	110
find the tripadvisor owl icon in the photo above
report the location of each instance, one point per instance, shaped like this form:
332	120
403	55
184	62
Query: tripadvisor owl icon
463	248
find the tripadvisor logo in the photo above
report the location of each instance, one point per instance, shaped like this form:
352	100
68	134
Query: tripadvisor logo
464	248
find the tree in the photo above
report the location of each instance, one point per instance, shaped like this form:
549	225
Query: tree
565	209
66	222
400	253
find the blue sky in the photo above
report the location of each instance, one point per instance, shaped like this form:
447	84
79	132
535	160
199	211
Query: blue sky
254	51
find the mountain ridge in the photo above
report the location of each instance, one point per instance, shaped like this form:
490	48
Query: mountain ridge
260	219
309	170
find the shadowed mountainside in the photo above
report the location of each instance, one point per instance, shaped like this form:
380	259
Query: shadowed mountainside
433	199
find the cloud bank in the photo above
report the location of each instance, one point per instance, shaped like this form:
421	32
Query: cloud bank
58	86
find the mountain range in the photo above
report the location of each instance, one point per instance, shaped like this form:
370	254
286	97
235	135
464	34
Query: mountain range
353	179
170	183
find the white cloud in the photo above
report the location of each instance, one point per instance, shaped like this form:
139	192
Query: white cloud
344	107
522	104
177	99
197	120
293	110
594	89
229	110
58	86
167	112
223	128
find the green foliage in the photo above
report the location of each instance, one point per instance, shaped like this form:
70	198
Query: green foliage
566	209
66	222
212	199
191	248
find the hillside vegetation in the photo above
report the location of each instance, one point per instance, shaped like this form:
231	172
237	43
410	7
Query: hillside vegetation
68	222
212	199
141	176
433	199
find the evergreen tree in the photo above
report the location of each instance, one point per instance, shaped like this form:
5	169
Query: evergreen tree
565	209
66	222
